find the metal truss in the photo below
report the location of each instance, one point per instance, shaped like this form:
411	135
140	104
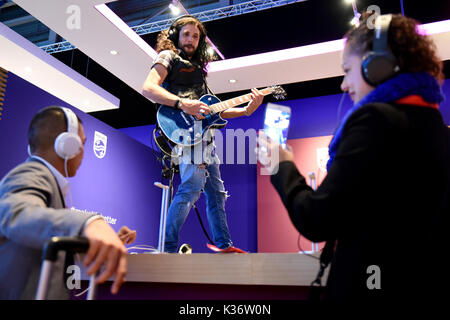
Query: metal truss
204	16
215	14
58	47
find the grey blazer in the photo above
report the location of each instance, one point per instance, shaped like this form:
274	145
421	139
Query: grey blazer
31	212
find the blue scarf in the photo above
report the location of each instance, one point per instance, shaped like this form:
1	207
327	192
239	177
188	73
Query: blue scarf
402	85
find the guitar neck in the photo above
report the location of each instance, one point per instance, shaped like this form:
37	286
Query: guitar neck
230	103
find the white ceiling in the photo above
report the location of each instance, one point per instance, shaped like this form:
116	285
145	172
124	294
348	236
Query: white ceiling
101	31
29	62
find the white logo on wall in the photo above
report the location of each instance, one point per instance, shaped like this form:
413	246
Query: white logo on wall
108	219
100	141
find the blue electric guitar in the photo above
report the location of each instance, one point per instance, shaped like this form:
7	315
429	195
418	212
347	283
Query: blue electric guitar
186	130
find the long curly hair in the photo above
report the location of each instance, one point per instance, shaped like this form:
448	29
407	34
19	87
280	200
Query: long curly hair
201	56
414	52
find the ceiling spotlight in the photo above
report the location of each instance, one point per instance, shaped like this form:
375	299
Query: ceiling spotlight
28	69
232	81
113	52
355	22
349	1
175	10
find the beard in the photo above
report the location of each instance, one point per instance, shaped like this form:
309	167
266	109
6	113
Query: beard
189	50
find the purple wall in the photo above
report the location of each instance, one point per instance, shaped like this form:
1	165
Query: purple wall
311	117
240	182
119	186
240	179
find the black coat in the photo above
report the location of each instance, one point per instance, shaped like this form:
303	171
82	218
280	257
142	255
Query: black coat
382	200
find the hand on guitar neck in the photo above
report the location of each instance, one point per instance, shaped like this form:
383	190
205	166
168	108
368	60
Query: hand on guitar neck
182	129
255	99
194	107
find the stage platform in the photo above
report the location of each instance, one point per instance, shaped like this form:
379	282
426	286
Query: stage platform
204	276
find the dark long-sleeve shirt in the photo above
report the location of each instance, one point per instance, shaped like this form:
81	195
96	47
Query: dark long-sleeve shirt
381	200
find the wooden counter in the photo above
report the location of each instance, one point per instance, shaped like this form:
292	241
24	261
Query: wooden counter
252	268
249	274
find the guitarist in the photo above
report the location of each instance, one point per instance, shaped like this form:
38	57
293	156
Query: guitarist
177	78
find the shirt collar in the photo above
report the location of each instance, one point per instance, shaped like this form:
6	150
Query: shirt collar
60	179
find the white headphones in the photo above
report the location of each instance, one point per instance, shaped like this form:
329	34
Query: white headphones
68	144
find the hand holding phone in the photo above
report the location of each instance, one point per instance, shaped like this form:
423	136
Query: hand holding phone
276	123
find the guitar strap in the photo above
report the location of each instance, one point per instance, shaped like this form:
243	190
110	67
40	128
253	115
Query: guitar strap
208	89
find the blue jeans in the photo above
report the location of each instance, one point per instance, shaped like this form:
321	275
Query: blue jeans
194	180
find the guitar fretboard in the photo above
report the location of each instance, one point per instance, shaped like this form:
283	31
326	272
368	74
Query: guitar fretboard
227	104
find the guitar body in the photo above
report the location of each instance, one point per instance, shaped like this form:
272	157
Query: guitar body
184	129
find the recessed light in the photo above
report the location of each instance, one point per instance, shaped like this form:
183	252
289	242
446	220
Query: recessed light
113	52
28	69
175	10
232	80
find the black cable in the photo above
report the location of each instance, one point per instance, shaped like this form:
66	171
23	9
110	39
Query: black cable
203	227
71	59
299	235
153	147
302	251
159	156
161	159
87	67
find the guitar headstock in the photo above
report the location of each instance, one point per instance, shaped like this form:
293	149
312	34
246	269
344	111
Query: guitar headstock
278	92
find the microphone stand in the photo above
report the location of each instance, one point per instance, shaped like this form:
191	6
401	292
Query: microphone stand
166	200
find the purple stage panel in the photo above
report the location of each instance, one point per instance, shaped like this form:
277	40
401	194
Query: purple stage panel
311	117
117	184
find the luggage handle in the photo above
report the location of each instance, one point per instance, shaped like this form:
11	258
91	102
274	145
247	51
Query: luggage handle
52	247
69	244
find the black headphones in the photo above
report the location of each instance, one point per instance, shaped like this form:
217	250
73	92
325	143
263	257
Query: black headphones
174	31
379	65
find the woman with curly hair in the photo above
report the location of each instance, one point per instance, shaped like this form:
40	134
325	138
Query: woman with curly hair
381	206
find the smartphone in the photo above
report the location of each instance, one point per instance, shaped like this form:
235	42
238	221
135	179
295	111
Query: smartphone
276	122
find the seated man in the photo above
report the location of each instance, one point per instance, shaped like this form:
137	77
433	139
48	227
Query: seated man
33	209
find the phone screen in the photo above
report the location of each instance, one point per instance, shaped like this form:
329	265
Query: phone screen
276	123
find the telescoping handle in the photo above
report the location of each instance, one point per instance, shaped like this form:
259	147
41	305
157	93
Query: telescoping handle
162	219
51	249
